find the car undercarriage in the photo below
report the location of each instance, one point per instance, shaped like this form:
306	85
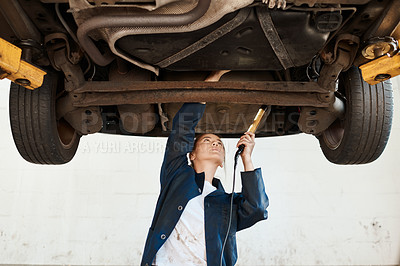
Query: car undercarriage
125	67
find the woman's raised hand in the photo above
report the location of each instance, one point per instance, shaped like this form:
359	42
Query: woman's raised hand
248	140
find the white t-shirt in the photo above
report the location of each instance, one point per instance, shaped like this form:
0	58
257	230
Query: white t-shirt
187	245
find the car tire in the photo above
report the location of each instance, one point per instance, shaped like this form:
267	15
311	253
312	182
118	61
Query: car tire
39	137
361	136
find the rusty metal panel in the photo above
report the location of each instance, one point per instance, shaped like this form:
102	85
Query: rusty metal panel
173	95
249	92
103	86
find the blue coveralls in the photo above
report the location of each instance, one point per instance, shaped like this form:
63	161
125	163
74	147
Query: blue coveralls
180	183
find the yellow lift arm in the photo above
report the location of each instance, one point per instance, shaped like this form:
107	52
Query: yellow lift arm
381	69
17	70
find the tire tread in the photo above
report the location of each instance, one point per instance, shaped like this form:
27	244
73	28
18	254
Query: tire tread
369	112
34	126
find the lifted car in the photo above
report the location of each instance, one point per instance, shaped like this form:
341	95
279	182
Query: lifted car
125	67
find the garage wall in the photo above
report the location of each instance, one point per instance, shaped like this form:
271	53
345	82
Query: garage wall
96	209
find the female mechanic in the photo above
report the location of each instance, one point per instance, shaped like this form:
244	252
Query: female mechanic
192	212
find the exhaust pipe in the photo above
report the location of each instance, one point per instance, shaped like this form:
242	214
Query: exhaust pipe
151	20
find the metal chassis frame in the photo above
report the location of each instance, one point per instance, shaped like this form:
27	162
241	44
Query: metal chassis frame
104	93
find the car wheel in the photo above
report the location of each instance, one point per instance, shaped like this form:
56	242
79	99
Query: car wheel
361	136
41	138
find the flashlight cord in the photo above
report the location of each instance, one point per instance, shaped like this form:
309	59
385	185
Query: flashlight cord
238	152
252	128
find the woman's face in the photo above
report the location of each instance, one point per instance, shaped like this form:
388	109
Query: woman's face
209	148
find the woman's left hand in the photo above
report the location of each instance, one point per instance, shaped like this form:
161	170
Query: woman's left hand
248	141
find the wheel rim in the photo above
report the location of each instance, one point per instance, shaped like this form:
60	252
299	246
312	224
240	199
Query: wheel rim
66	133
333	136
